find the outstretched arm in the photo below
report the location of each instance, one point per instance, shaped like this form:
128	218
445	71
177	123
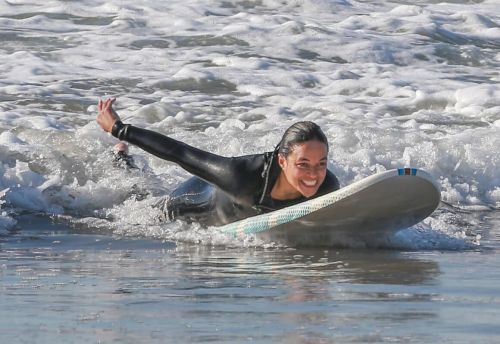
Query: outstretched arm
221	171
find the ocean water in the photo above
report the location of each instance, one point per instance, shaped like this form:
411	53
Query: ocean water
85	258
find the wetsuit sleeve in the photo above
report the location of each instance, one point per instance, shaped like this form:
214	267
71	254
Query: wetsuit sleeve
226	173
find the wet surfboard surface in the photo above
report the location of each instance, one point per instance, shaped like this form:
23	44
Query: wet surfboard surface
377	205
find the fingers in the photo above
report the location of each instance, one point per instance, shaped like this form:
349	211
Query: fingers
109	103
106	104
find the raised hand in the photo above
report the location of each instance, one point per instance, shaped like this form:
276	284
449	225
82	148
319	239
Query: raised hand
107	116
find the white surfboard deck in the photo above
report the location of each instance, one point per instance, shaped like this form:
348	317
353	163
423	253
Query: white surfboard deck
375	206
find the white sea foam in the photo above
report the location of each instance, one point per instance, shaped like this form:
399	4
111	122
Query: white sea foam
6	221
392	84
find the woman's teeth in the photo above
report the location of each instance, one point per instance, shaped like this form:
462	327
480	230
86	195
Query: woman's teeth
309	182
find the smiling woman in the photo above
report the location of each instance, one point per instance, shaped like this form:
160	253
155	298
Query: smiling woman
224	189
302	157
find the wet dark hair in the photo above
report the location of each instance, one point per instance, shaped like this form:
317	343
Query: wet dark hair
299	133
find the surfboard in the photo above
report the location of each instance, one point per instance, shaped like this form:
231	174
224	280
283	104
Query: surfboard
378	205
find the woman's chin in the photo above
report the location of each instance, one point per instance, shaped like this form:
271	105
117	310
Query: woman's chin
308	192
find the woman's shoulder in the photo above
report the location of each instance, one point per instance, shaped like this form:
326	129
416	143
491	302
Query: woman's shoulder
247	173
252	162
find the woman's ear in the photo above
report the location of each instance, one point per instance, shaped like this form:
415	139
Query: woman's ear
281	161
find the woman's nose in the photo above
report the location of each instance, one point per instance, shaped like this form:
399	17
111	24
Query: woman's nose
314	171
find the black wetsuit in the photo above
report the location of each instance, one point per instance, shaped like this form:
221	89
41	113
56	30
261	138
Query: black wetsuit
224	189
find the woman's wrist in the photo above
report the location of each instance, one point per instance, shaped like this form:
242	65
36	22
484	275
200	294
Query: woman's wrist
119	130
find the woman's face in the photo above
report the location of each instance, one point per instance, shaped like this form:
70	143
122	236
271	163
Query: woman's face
305	167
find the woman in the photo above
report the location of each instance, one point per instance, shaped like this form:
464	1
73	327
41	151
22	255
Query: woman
225	189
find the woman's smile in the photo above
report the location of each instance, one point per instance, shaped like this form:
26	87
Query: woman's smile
310	183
